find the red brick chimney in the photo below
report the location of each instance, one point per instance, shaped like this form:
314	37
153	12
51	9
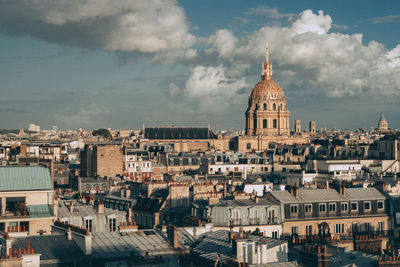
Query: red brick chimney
172	234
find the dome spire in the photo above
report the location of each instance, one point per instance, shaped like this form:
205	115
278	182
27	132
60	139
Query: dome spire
266	67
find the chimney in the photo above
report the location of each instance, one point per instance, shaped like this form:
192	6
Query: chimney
100	208
122	192
129	215
69	233
265	191
256	198
241	232
295	191
230	234
127	192
172	234
343	190
71	206
327	184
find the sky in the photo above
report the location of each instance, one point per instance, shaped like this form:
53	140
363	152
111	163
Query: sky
124	63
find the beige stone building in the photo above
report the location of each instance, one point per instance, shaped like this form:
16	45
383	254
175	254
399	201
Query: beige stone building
267	124
102	160
27	204
267	113
267	117
329	213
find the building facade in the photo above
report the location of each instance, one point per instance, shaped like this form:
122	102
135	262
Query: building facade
267	113
27	202
327	212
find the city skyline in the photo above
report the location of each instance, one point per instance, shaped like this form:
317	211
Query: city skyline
179	63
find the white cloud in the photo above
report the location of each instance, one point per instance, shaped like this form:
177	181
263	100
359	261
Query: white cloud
211	88
224	41
269	12
309	22
386	19
334	64
127	25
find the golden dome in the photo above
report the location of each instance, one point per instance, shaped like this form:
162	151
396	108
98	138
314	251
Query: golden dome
267	113
266	89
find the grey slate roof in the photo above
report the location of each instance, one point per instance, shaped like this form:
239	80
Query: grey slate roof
317	195
83	210
24	178
112	244
244	203
213	243
179	133
51	247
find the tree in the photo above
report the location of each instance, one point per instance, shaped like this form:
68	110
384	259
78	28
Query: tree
103	133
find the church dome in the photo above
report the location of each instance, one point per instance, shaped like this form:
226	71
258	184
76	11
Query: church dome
265	90
383	124
267	113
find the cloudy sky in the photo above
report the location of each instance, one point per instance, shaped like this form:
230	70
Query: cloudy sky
124	63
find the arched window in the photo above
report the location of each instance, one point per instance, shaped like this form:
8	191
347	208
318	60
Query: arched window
274	124
274	106
265	124
265	106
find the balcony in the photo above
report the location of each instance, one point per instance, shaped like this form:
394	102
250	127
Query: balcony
27	211
14	209
254	221
272	220
356	235
235	222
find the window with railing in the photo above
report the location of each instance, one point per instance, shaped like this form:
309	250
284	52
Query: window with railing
89	224
322	208
275	234
308	208
308	229
293	209
332	207
354	206
254	221
344	206
339	228
112	224
381	227
295	230
367	205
